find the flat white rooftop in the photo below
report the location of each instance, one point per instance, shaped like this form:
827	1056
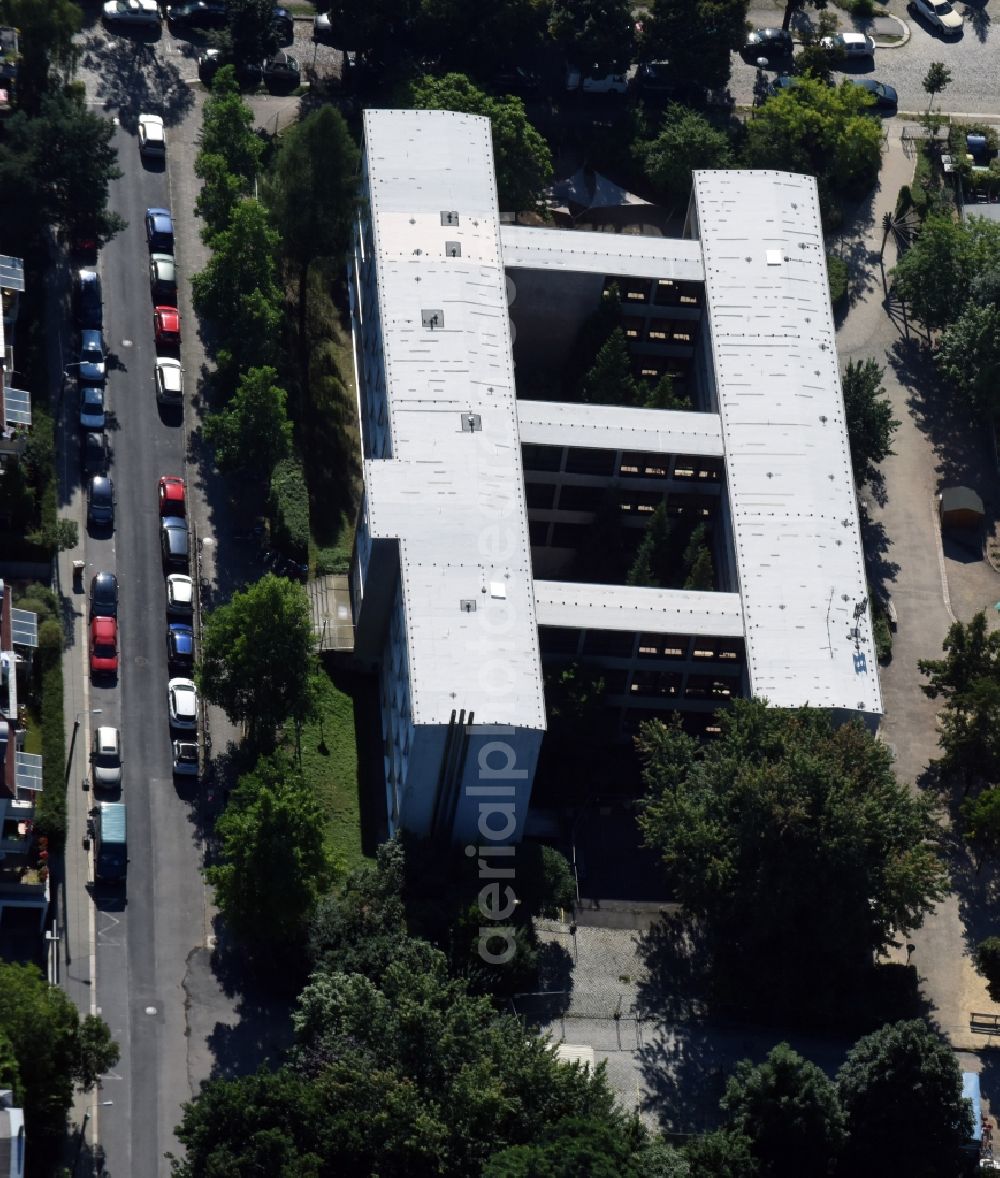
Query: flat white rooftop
635	608
452	492
792	498
611	427
578	251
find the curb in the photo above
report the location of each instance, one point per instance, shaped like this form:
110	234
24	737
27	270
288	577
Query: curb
904	35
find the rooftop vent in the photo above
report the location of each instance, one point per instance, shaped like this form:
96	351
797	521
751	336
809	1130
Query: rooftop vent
471	423
453	249
432	319
449	217
468	605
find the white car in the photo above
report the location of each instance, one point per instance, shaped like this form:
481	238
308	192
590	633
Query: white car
938	13
152	140
182	703
169	381
185	758
850	44
106	759
140	13
180	595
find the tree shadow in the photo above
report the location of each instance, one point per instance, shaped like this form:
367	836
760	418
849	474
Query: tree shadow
977	18
136	82
876	543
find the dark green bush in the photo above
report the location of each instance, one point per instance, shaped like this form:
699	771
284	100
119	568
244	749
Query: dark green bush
50	812
837	275
289	509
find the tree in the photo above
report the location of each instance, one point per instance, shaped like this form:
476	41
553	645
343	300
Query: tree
60	535
868	413
969	357
697	36
789	1111
987	959
46	30
651	566
575	1149
252	432
901	1089
238	289
935	80
312	196
521	156
663	395
722	1154
227	129
251	33
697	561
936	274
221	191
687	141
981	816
274	1123
609	380
821	130
97	1052
594	32
375	28
782	816
273	862
257	657
479	40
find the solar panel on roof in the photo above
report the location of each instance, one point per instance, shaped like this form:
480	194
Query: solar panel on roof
11	272
24	627
28	771
16	407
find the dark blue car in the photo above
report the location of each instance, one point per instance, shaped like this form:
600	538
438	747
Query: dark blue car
180	646
160	231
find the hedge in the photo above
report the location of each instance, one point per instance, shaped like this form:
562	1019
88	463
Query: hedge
50	812
289	509
837	275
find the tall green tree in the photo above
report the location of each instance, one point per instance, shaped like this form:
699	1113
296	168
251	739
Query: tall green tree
870	424
227	129
252	432
257	658
250	31
935	81
375	28
576	1148
651	565
698	562
901	1090
663	395
46	30
479	40
968	357
720	1154
981	820
221	191
521	156
696	37
594	32
687	141
781	817
987	959
821	130
609	380
789	1111
273	865
937	273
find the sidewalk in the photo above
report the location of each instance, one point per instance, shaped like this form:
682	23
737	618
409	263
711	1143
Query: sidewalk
914	570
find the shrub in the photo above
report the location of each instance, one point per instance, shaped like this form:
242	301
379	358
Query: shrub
50	812
289	509
837	276
987	959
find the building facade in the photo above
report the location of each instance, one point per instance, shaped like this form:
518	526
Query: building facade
468	578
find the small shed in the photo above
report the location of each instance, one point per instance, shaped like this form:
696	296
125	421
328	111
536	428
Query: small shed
960	507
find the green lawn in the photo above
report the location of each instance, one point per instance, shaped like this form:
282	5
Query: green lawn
330	762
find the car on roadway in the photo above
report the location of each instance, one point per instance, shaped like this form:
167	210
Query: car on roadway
939	14
883	97
772	44
180	595
180	646
197	14
103	646
174	541
93	362
104	595
169	381
94	456
160	231
182	703
89	305
185	758
170	492
849	45
152	137
167	327
101	502
91	406
106	758
134	13
163	278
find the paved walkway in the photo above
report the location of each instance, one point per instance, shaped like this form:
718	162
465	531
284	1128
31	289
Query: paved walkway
914	571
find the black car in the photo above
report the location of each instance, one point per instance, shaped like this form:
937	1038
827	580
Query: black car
197	14
104	595
94	453
280	72
174	541
769	43
100	502
885	96
180	646
515	79
89	308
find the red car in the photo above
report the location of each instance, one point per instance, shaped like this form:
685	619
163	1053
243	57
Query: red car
103	646
172	492
167	326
